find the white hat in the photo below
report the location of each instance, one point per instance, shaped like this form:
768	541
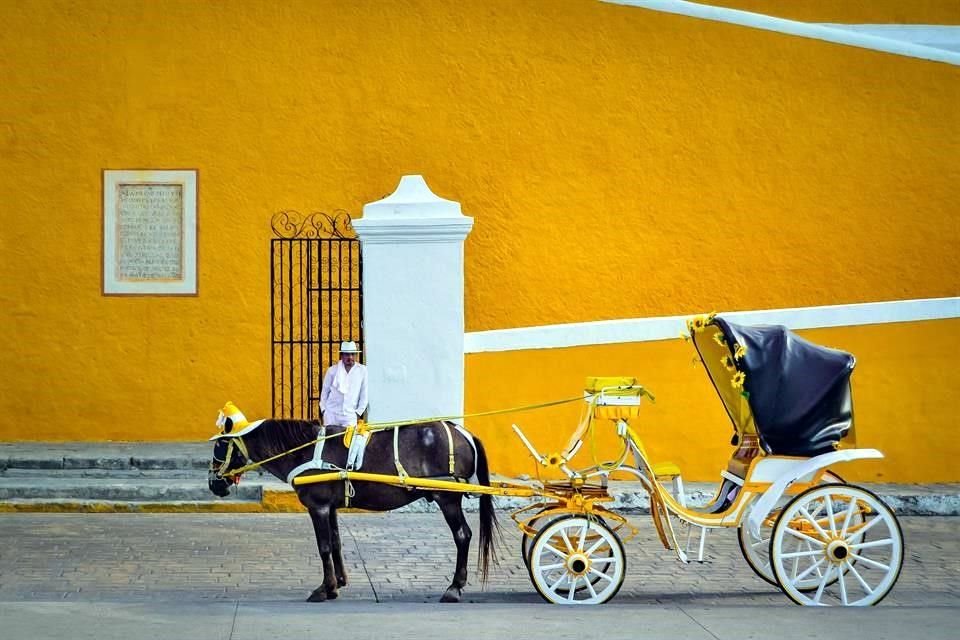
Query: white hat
349	346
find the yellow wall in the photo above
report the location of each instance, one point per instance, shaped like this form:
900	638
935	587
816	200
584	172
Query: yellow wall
693	165
945	12
904	392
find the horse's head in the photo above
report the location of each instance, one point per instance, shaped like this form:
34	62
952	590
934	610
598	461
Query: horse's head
227	451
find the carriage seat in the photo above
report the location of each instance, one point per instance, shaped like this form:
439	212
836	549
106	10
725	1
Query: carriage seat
665	470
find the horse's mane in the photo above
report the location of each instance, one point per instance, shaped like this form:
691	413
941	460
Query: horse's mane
277	435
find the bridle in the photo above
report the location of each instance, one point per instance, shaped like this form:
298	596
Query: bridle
220	467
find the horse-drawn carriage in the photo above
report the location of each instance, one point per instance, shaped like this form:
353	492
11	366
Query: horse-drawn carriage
800	527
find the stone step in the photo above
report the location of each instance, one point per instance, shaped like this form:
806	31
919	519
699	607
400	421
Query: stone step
37	505
139	489
117	474
113	455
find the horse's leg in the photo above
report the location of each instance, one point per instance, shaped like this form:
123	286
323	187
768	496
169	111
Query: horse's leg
321	527
450	505
337	549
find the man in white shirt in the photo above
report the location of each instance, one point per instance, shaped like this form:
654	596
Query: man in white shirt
344	395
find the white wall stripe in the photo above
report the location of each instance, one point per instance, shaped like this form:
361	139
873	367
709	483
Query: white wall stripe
928	35
793	27
669	327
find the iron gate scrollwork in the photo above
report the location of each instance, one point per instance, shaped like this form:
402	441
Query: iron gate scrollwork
316	302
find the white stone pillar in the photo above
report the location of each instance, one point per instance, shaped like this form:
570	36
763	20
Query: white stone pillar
412	243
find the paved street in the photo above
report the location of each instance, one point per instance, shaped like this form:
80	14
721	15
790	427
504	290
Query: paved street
226	567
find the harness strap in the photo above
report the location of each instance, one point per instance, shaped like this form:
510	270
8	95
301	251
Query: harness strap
396	455
242	446
446	428
226	460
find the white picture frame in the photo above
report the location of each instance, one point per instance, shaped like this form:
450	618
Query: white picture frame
149	232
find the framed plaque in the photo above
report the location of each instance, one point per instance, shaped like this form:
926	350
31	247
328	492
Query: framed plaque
150	232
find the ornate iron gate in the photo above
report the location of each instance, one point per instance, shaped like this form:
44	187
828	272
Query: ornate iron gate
316	302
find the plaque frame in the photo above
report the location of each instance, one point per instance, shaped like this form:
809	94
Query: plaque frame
113	283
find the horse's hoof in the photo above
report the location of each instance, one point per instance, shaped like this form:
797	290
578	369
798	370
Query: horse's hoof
318	595
332	594
451	595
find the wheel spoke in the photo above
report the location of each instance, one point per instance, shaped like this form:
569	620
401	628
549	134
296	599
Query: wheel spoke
583	536
796	561
856	574
553	587
551	548
831	518
822	586
599	542
866	527
566	540
601	574
551	567
573	589
872	543
762	542
593	592
810	548
846	521
804	536
843	588
801	554
872	563
603	560
814	567
813	521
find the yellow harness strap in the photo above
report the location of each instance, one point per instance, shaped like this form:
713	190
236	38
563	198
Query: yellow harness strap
359	429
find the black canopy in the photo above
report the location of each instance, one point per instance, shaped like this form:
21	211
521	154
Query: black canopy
799	392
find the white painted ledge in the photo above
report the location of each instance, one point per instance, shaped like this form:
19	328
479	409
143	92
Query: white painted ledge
669	327
795	28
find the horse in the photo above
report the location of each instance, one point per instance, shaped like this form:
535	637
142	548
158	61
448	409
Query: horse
425	450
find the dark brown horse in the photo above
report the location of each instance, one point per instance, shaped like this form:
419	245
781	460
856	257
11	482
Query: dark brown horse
424	452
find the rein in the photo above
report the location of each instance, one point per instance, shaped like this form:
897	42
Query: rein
379	426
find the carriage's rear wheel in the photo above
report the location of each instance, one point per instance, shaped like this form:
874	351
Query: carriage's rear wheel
577	560
756	549
833	522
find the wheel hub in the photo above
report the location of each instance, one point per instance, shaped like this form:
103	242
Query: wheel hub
838	551
578	564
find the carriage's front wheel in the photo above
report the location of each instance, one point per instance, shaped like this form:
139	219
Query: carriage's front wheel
577	560
832	522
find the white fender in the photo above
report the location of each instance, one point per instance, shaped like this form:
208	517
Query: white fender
764	505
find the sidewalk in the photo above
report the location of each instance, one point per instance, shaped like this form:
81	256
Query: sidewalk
172	477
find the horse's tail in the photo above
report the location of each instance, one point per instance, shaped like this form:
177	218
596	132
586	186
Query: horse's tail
488	517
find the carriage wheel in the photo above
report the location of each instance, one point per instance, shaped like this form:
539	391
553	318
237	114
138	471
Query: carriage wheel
577	560
526	544
854	571
756	550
